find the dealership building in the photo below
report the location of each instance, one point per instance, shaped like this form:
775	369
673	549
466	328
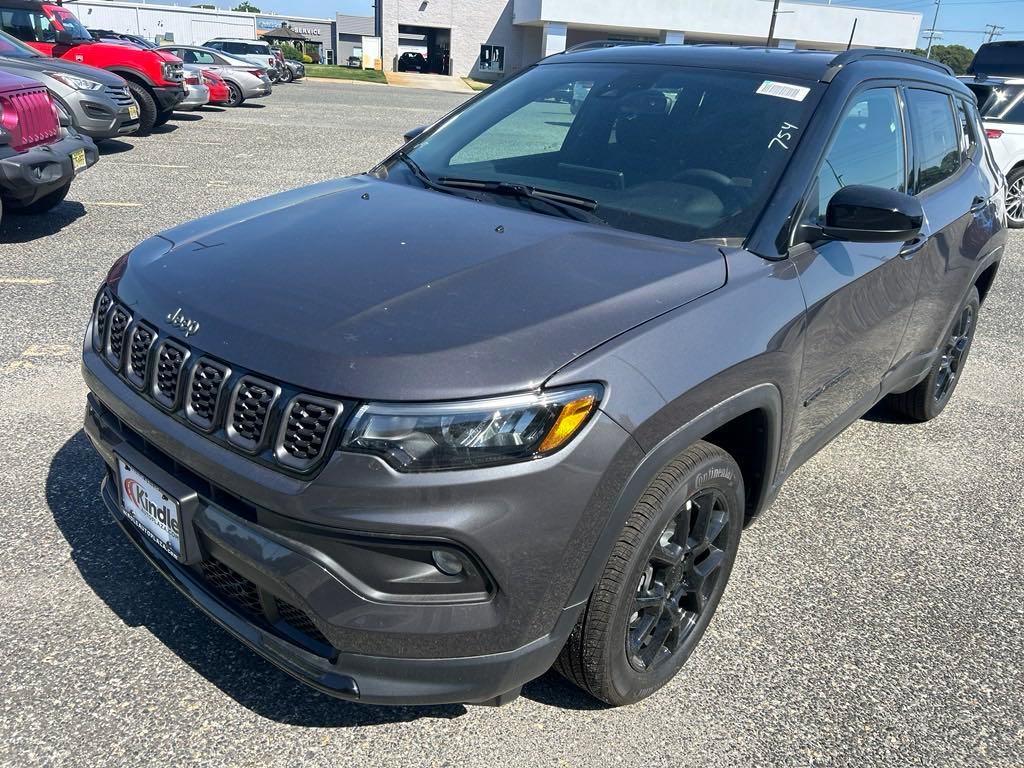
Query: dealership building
493	38
490	39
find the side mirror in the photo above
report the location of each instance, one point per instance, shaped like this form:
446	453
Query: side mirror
862	214
63	37
410	135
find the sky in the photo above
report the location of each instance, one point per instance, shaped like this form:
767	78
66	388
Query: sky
960	21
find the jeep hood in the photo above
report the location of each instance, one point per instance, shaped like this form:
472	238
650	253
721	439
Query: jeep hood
371	289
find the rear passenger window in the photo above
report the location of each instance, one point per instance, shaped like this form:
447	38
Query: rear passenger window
936	136
867	149
968	137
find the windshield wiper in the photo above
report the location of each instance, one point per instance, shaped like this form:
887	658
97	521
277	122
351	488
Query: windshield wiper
572	206
421	175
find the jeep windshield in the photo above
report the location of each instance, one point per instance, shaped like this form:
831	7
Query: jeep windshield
675	152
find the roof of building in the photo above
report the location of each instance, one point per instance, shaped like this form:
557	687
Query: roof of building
784	62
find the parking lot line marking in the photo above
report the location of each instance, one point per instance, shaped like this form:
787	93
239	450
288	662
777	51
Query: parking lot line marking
146	165
47	350
110	204
25	281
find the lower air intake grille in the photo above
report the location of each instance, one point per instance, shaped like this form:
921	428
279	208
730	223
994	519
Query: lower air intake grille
232	586
301	621
305	430
204	392
137	365
119	320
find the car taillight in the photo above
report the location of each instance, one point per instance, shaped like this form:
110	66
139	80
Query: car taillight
257	72
192	80
993	133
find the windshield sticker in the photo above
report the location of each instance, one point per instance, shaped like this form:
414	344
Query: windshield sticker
783	90
784	136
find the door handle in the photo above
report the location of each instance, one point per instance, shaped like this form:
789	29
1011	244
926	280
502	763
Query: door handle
979	204
909	249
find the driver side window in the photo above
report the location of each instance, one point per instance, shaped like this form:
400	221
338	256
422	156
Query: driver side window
867	149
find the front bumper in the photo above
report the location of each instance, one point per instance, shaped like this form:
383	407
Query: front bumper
28	175
168	96
196	96
98	116
319	548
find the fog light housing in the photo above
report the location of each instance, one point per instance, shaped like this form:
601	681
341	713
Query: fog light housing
447	563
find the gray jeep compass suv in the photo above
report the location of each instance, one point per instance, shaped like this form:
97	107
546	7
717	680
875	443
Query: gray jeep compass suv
512	396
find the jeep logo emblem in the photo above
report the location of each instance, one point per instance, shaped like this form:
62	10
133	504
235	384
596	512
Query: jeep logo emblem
178	320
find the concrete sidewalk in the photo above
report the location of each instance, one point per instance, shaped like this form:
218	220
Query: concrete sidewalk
429	82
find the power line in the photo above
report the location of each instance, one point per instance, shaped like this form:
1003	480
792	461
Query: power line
931	35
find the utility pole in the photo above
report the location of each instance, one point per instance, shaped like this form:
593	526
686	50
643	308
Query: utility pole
771	27
994	30
931	36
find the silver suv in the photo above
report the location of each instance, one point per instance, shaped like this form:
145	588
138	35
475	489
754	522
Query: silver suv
255	51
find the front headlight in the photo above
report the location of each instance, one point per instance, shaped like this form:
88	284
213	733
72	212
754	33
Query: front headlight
76	82
471	433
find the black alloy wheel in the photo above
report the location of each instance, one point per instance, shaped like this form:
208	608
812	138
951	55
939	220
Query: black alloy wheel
663	580
929	398
952	360
680	577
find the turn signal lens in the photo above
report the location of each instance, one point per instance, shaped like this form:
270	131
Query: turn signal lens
568	422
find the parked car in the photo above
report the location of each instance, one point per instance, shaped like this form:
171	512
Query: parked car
109	36
410	61
97	103
154	79
244	79
219	91
254	51
1004	58
288	69
533	435
197	94
1001	101
39	158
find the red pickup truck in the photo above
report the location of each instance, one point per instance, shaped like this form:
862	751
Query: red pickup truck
155	78
38	157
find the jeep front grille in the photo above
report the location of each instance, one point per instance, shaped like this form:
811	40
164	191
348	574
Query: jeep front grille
119	321
204	391
304	430
140	343
250	412
273	423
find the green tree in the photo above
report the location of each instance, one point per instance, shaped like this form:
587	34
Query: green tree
246	7
956	57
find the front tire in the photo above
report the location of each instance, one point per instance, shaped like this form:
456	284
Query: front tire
43	204
147	107
286	75
929	398
662	582
162	118
1015	198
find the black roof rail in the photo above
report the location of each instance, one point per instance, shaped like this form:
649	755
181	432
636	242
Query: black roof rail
592	45
857	54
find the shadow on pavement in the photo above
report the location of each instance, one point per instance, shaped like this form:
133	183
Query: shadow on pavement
121	577
186	117
113	146
554	690
22	228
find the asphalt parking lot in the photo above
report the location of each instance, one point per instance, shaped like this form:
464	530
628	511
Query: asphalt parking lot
875	615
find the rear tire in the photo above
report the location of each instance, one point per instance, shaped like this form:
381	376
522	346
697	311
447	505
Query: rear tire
147	107
662	582
286	75
1015	198
43	204
929	398
235	97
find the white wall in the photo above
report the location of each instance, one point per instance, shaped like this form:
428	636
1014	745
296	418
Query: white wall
188	25
730	20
